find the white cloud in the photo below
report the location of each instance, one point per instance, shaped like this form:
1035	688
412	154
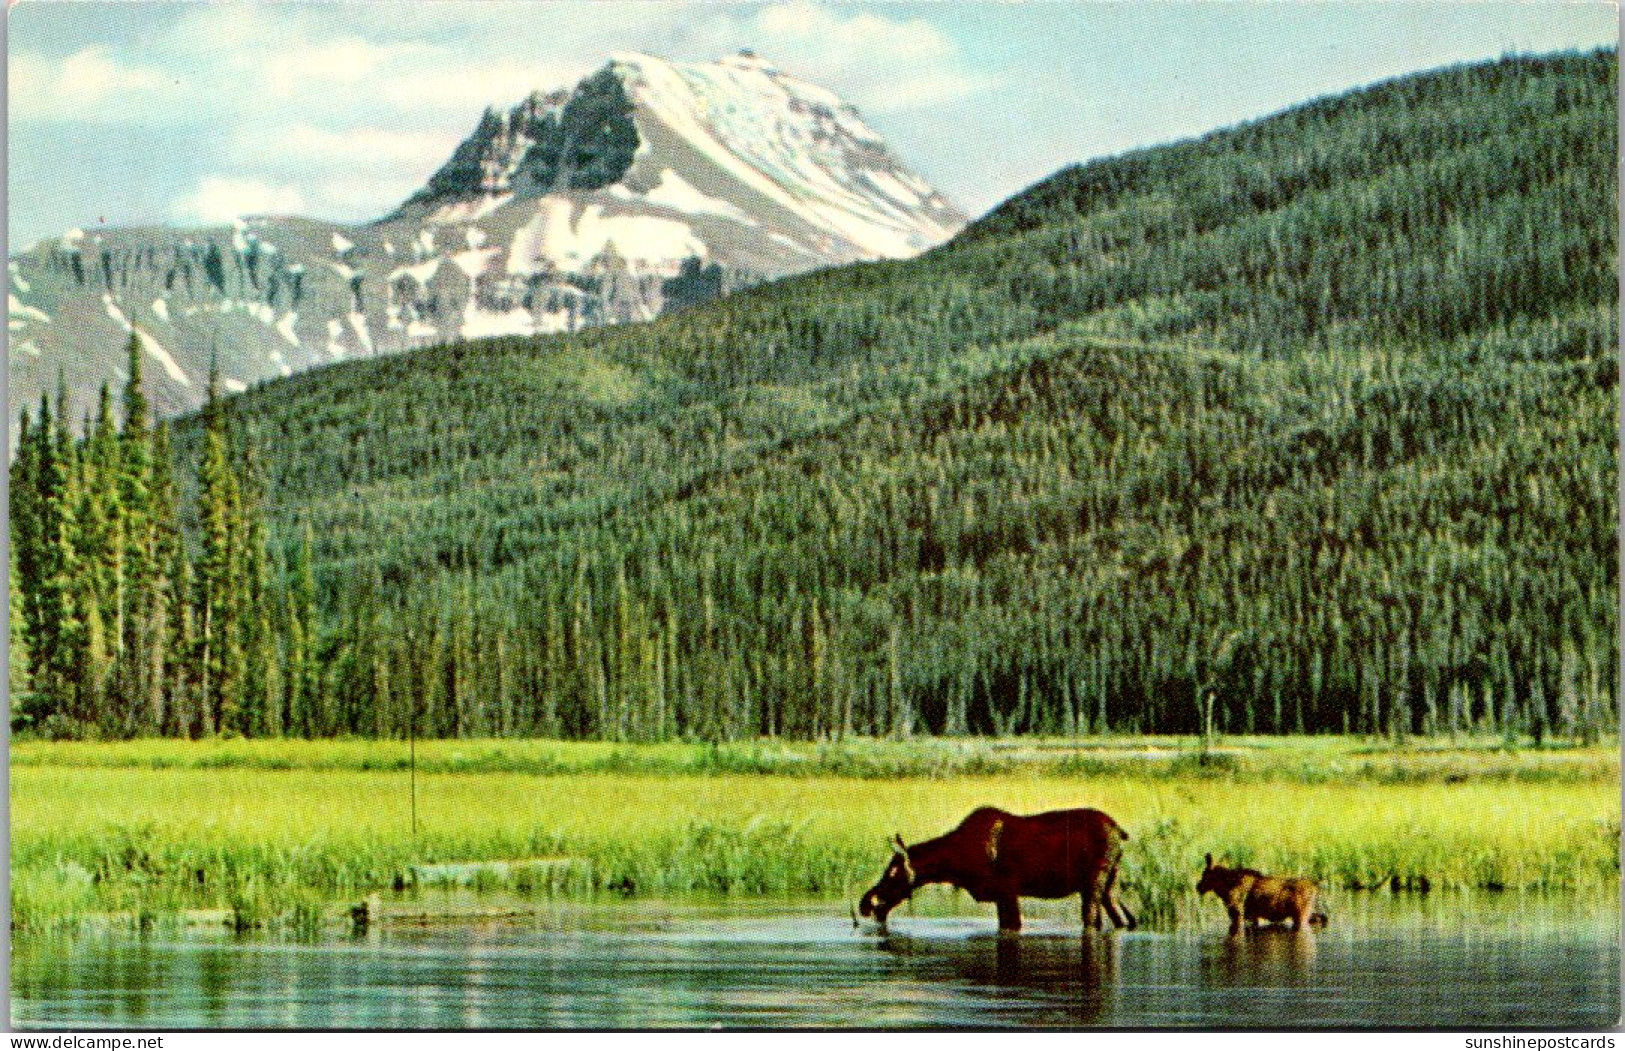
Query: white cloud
424	59
928	89
862	37
361	148
87	85
360	197
880	63
449	84
221	198
347	60
347	173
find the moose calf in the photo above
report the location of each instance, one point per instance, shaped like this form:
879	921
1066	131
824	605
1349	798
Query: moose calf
1250	896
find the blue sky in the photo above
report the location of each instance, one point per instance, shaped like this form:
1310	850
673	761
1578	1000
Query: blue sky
184	112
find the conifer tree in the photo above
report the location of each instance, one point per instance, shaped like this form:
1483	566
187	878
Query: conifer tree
140	612
218	600
59	614
19	682
100	578
26	556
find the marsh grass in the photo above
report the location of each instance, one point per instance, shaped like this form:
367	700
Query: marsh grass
1306	760
286	830
47	898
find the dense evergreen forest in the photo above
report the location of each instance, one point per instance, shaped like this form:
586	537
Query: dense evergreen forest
119	627
1307	425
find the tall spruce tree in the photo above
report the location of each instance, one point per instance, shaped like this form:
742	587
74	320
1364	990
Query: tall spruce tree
99	582
218	601
59	617
140	613
172	610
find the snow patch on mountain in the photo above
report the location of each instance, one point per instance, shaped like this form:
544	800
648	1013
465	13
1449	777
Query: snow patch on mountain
153	348
363	333
479	323
677	193
474	261
285	329
553	322
115	313
19	311
170	366
566	240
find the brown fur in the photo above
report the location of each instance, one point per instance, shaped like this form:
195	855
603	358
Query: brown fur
1001	857
1249	896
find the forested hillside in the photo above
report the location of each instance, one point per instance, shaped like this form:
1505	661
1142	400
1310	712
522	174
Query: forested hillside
1317	415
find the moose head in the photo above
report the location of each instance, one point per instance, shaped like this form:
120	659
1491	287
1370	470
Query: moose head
896	884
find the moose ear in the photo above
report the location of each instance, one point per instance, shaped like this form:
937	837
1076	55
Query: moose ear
902	852
1210	861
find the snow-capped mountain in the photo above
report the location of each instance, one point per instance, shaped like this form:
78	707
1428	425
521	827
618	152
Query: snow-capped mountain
649	186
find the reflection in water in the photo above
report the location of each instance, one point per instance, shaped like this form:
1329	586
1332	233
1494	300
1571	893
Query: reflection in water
1478	962
1268	955
1073	971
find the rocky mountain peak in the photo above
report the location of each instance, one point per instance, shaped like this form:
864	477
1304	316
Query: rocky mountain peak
649	185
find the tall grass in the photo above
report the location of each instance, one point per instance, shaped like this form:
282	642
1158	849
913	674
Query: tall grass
263	843
1304	759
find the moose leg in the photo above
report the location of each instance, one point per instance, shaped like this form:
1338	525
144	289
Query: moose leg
1009	915
1121	918
1092	895
1091	911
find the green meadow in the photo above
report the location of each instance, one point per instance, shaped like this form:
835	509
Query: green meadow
282	833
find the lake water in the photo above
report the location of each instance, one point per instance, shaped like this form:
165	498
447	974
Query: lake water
1443	960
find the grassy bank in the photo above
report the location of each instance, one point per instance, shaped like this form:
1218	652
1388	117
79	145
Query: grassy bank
1302	760
273	830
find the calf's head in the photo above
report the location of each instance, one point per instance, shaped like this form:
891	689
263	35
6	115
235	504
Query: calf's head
896	885
1212	878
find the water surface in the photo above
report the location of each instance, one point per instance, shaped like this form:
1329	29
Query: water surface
1451	961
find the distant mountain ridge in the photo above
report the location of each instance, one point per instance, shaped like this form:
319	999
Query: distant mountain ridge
650	186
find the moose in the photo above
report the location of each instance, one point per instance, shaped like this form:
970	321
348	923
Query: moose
1001	857
1250	896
